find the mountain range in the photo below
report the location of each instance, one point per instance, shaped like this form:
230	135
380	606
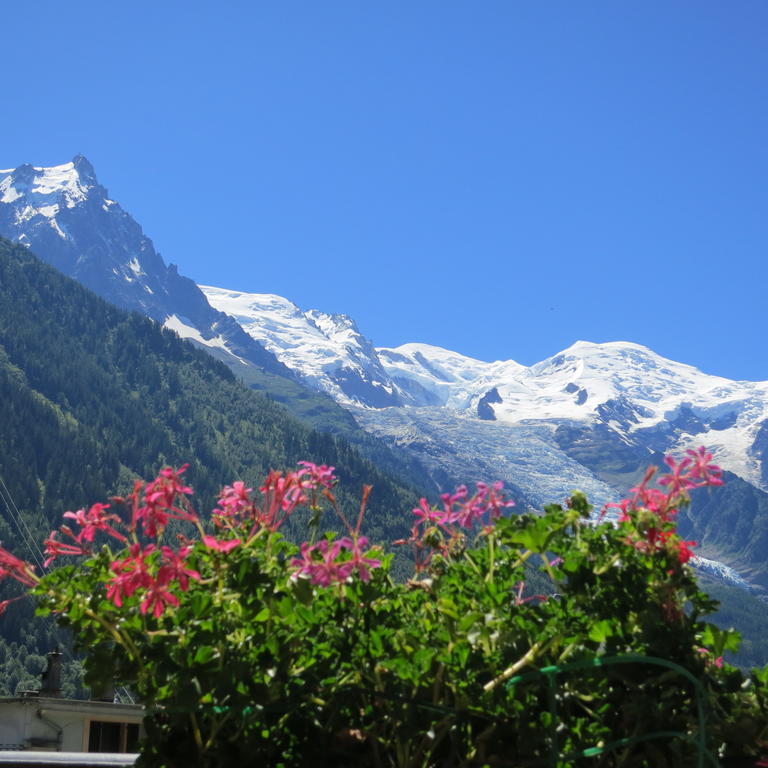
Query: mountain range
591	416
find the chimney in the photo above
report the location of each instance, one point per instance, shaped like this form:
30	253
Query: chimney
51	681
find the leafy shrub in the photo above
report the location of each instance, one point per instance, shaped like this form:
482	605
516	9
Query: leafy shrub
248	649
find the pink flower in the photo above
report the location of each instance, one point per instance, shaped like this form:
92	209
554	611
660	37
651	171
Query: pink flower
678	479
325	569
427	514
625	505
281	494
162	499
718	662
220	546
709	474
157	598
95	520
360	562
175	568
319	475
131	573
234	500
55	548
10	565
167	486
487	502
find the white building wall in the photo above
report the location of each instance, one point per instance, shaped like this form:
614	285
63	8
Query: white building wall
57	724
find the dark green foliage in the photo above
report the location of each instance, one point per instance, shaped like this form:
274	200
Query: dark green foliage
260	665
744	611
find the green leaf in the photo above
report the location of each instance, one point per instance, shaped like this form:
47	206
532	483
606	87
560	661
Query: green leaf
204	654
601	630
448	607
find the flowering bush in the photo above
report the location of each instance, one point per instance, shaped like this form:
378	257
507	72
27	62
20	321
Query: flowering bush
248	649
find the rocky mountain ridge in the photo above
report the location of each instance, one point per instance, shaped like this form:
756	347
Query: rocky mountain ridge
66	216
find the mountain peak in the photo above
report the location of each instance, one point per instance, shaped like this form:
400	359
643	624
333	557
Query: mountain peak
84	169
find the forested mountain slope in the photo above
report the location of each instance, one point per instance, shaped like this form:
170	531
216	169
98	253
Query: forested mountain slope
93	396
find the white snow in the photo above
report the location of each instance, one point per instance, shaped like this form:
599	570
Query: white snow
186	330
8	193
135	267
60	180
312	343
724	572
58	229
50	190
456	380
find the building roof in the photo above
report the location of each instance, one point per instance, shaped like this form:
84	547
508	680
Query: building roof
32	759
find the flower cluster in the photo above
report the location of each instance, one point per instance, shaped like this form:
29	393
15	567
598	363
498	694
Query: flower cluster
147	569
441	528
281	494
653	511
164	500
155	572
327	563
136	571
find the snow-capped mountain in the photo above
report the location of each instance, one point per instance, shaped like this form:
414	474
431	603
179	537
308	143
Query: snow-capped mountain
67	218
328	351
643	398
590	417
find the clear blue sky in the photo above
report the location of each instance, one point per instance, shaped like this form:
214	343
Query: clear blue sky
499	177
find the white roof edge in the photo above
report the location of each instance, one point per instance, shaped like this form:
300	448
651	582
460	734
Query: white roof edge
23	757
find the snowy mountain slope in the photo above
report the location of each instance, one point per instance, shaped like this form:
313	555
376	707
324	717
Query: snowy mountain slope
67	218
327	351
453	380
330	353
466	449
647	400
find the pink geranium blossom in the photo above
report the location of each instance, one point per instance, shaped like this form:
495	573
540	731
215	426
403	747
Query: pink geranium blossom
95	519
54	548
319	562
318	475
360	561
652	511
220	546
174	568
17	569
131	573
157	598
442	529
702	469
163	499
